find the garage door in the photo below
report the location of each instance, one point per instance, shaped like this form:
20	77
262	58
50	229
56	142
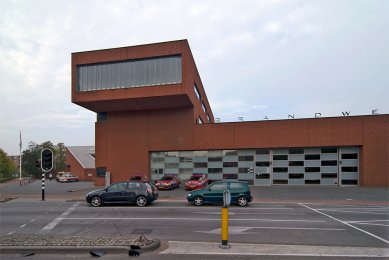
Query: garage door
307	166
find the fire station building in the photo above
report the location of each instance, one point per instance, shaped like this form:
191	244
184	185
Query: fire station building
154	118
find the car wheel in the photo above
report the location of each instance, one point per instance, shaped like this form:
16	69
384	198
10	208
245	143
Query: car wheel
242	201
141	201
198	201
96	201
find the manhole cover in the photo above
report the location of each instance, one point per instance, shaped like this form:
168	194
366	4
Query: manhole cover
141	231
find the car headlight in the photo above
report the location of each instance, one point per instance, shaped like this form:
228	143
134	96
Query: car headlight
189	195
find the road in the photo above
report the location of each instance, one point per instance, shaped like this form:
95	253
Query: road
267	223
284	225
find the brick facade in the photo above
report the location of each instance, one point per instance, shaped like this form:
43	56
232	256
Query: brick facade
141	120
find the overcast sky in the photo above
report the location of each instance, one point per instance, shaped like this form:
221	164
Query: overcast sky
256	59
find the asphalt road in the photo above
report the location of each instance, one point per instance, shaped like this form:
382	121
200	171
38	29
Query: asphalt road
316	194
334	217
268	223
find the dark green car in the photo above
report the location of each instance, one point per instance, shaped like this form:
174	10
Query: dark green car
213	193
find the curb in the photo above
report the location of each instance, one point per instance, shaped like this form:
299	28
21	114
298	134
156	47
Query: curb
77	250
82	189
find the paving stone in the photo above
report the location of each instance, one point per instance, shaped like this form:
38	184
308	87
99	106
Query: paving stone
72	241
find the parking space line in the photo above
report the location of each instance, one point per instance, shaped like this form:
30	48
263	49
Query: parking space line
345	223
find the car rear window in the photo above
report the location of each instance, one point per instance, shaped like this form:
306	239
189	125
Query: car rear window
236	185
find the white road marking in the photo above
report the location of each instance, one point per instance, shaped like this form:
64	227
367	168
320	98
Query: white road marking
233	230
32	220
359	208
201	219
185	207
251	213
22	226
364	221
347	224
56	221
10	233
371	224
359	212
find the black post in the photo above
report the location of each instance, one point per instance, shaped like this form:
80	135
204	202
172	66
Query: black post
43	185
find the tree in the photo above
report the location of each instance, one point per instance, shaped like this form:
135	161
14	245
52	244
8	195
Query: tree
60	156
29	158
7	166
33	153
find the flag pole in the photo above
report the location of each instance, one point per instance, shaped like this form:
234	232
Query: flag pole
20	159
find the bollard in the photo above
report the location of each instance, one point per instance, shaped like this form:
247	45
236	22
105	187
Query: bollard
224	243
224	233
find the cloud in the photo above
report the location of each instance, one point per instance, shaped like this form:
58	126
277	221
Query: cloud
256	58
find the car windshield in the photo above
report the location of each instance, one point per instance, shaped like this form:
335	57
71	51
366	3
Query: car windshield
166	178
195	178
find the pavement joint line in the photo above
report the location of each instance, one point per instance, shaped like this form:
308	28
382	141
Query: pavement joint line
347	224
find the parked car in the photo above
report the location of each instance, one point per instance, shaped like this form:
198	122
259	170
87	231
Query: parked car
59	174
213	194
168	182
140	193
68	177
197	181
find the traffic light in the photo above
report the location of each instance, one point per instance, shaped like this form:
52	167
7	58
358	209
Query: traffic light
38	163
47	160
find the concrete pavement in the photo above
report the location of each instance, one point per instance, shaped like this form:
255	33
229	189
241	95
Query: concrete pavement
240	249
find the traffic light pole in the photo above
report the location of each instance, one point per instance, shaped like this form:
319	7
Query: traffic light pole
46	165
43	185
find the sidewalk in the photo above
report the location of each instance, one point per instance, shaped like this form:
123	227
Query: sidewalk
16	244
74	244
241	249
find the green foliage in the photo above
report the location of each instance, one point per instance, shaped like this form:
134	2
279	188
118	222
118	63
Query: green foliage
7	166
33	153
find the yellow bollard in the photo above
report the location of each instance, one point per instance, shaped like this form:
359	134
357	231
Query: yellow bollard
224	243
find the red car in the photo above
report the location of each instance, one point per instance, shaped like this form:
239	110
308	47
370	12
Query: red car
197	181
168	182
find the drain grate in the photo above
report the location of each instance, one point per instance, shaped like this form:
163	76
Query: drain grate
141	231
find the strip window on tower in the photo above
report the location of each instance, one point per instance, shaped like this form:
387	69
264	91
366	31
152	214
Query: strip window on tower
130	73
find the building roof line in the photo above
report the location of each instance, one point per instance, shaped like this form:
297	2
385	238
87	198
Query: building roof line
76	157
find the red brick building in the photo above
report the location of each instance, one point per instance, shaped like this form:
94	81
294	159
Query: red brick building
80	161
154	118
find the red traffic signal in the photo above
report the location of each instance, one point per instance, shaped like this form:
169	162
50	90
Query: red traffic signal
47	160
